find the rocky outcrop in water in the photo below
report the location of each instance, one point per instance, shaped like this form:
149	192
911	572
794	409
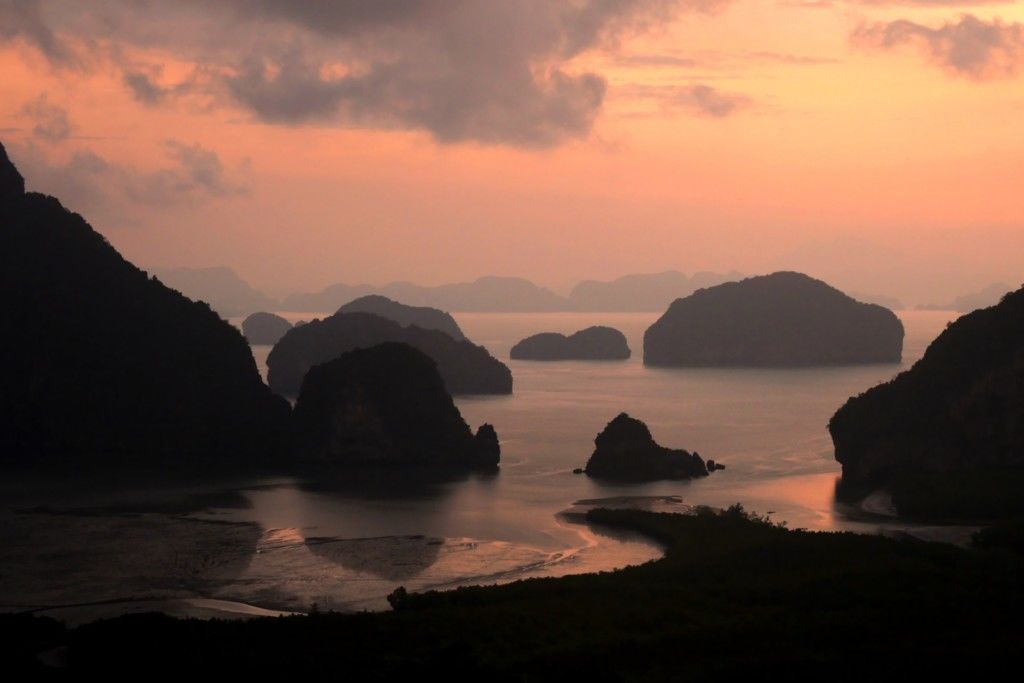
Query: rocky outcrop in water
465	367
626	452
779	320
386	406
593	343
945	438
406	316
106	368
264	328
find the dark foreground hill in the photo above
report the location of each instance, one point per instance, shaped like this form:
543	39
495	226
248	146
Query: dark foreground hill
734	598
104	366
386	406
779	320
945	438
465	367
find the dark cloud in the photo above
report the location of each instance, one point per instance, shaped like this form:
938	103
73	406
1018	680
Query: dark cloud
144	89
50	122
25	19
969	47
462	70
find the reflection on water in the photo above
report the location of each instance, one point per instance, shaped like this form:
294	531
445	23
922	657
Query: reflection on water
347	541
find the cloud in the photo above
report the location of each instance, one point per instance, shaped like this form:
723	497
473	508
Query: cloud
699	98
461	70
89	183
25	19
707	100
969	47
144	89
51	121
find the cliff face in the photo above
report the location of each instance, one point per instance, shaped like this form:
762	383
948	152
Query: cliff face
104	366
946	437
420	316
625	451
386	405
782	319
593	343
465	367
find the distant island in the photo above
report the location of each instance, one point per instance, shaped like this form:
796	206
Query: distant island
106	368
264	328
465	367
784	319
386	406
642	292
219	287
626	452
420	316
497	294
945	438
988	296
593	343
636	292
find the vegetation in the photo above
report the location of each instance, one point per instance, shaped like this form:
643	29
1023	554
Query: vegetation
734	596
946	438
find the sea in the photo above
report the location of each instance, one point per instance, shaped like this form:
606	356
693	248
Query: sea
289	545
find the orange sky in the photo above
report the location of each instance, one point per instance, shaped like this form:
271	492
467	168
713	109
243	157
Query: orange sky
877	144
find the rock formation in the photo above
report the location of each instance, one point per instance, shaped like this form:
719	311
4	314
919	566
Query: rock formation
593	343
779	320
465	367
420	316
264	328
105	367
626	452
945	438
386	406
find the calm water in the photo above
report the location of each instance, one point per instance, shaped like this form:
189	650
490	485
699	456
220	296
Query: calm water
346	544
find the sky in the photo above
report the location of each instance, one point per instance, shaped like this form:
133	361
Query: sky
878	144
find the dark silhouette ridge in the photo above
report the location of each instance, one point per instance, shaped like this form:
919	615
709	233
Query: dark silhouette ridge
593	343
465	367
498	294
642	292
945	438
220	287
420	316
780	320
386	406
264	328
626	452
12	185
107	367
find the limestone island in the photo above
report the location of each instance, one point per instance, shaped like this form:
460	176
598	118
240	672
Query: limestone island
386	406
406	316
264	328
784	319
593	343
946	438
626	452
465	367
